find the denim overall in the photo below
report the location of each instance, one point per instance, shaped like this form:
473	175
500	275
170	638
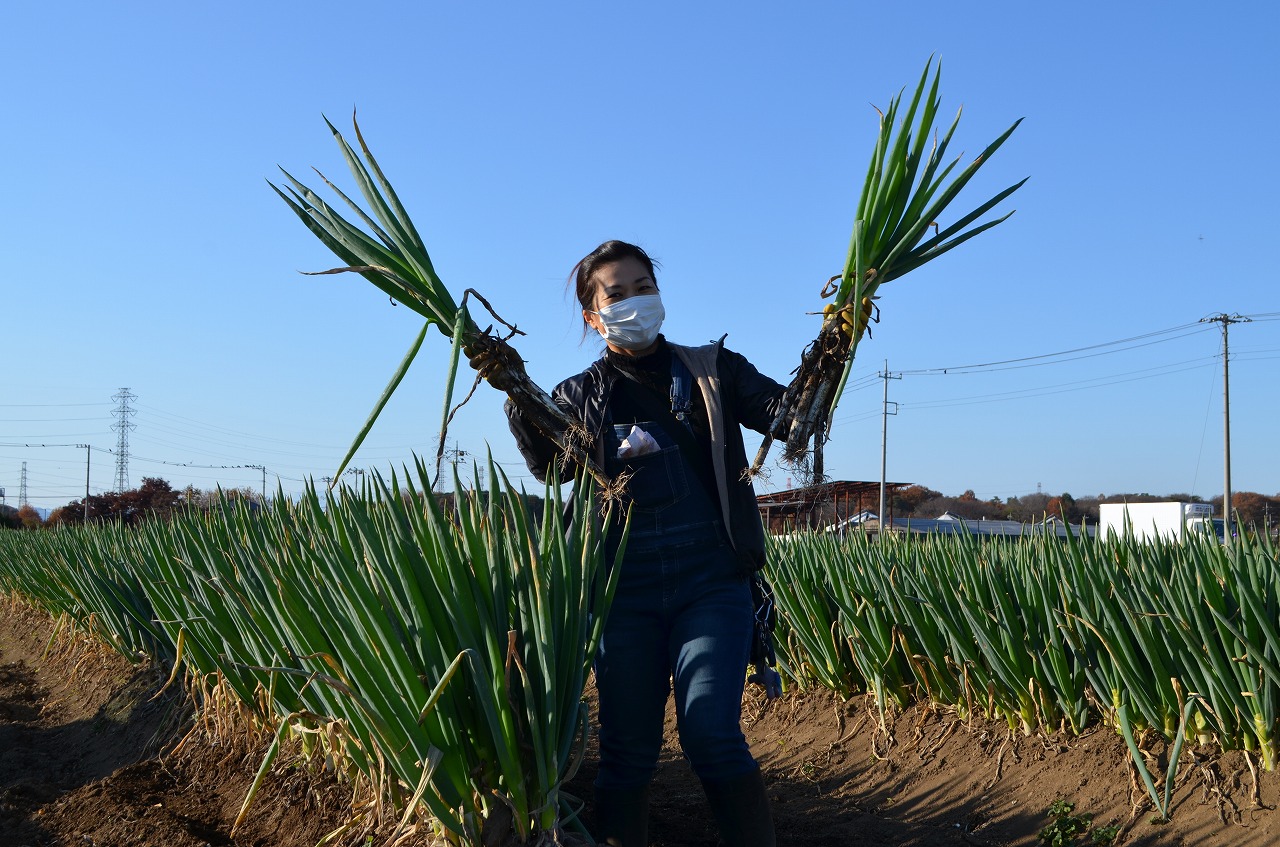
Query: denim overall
682	614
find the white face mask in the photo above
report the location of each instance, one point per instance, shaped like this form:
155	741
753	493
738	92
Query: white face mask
632	324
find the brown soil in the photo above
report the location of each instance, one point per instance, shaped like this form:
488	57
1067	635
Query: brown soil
86	758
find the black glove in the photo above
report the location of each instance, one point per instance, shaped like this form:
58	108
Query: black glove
768	679
762	652
496	361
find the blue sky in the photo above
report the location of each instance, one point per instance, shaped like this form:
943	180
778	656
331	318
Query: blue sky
145	250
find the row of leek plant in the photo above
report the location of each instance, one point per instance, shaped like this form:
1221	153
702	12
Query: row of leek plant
83	576
1045	632
452	646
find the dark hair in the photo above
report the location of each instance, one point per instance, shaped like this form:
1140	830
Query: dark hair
581	277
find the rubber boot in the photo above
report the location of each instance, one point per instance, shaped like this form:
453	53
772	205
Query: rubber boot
622	817
741	808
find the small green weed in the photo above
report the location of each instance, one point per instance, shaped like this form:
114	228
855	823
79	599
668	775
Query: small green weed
1105	835
1064	827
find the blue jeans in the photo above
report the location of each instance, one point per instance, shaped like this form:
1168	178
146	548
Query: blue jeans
682	613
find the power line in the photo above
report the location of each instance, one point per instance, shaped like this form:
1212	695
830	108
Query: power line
1110	379
1066	387
46	420
1041	391
233	432
52	497
1037	361
1182	331
215	441
45	405
186	464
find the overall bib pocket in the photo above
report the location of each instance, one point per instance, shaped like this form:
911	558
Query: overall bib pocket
658	479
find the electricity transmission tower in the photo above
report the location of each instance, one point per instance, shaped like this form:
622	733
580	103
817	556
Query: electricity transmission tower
122	426
22	487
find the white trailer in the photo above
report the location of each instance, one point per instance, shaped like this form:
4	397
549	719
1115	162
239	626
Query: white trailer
1172	521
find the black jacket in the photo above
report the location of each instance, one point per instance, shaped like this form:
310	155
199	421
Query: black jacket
735	394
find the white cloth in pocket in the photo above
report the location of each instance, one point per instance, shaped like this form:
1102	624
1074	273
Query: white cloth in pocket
637	443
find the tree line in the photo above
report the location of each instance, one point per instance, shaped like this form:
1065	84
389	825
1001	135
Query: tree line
156	498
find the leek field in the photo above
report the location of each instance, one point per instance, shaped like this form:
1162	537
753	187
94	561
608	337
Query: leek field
438	655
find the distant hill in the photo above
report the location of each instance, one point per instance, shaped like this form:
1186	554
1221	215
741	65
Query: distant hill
11	509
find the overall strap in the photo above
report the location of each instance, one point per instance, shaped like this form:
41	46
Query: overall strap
681	391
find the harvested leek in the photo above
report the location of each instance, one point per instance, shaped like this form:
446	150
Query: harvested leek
905	193
388	251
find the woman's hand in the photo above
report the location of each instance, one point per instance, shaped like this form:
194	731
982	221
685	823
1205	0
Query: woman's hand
496	361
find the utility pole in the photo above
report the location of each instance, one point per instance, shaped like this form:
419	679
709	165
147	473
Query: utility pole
884	444
360	473
1226	321
457	454
87	457
454	456
262	468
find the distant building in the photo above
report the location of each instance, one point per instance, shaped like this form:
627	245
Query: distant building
831	506
846	506
949	524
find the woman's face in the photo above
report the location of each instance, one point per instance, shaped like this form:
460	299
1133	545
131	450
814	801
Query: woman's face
618	281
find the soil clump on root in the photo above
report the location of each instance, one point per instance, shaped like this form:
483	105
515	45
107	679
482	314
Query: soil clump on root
86	758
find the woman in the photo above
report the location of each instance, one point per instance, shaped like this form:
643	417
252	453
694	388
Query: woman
667	418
